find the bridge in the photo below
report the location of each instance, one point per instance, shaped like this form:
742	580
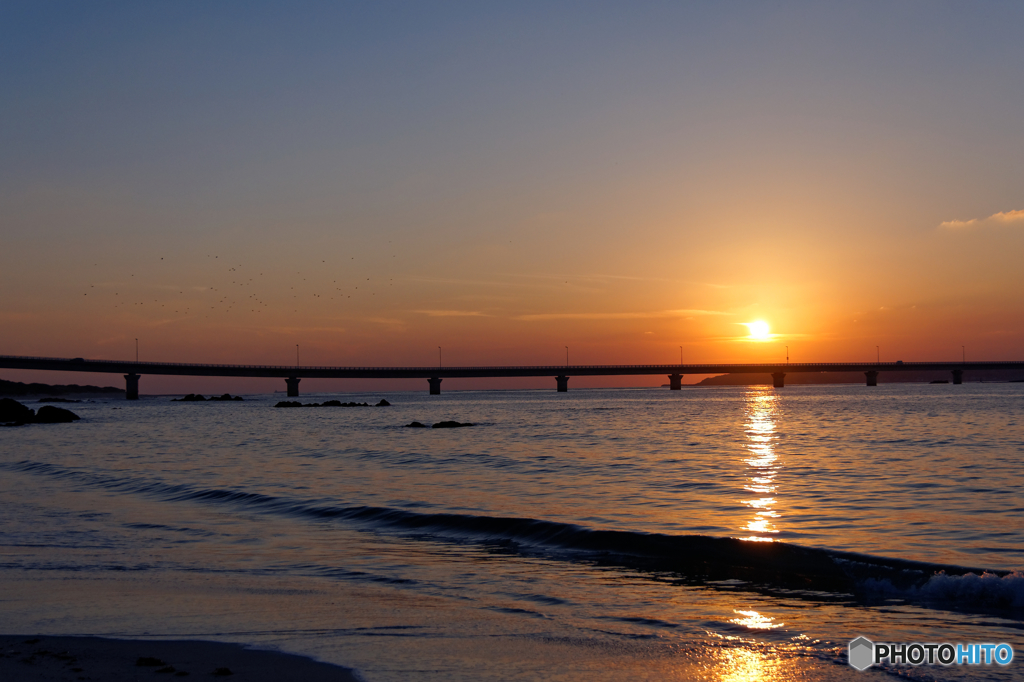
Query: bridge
292	375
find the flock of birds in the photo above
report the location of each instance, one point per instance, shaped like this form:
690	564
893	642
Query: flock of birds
234	292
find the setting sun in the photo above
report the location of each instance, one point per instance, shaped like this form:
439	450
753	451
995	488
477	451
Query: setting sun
759	330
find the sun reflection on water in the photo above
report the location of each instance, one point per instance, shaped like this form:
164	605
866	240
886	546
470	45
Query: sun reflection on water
755	621
742	665
761	414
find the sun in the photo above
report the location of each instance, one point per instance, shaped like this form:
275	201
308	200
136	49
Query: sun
759	330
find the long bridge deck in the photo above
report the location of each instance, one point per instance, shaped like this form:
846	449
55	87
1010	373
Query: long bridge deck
293	374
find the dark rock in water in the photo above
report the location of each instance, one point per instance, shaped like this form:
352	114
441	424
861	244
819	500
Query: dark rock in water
11	411
939	381
48	414
58	400
226	396
149	662
383	403
222	672
326	403
450	425
415	425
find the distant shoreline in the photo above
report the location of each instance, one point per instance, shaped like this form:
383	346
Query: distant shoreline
902	377
17	388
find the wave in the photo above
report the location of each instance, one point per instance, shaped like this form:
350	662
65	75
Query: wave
985	589
729	562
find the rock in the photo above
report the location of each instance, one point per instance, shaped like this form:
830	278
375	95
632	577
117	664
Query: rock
383	403
58	400
13	411
326	403
48	414
227	396
149	662
415	425
450	425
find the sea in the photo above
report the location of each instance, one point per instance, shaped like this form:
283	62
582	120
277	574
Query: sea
712	533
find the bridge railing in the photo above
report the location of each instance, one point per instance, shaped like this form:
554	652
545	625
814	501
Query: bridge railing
677	368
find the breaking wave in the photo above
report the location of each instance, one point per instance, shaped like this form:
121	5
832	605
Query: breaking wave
692	557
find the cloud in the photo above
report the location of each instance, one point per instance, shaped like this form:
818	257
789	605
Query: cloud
615	316
452	313
1001	218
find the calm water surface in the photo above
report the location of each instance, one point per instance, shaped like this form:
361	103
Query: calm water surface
471	553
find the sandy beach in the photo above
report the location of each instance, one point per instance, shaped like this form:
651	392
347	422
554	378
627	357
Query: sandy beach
26	658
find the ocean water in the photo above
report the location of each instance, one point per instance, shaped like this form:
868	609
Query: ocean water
712	533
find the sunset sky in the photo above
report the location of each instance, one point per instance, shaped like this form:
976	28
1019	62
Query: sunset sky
373	180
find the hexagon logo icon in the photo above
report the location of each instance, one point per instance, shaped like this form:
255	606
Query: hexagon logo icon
861	653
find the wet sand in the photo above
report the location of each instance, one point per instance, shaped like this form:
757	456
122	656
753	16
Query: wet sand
37	659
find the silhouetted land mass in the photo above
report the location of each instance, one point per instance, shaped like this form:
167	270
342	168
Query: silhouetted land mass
926	377
18	388
14	413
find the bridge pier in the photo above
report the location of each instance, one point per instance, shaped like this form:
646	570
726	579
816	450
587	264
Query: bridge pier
872	377
293	386
675	382
958	376
435	385
131	386
779	380
563	384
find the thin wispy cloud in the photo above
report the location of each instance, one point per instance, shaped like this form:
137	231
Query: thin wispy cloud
616	316
452	313
591	277
996	219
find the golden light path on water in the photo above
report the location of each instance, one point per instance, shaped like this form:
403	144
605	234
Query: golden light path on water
764	465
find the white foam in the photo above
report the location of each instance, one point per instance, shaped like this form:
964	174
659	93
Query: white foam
987	589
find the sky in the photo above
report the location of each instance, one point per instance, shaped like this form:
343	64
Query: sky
636	181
